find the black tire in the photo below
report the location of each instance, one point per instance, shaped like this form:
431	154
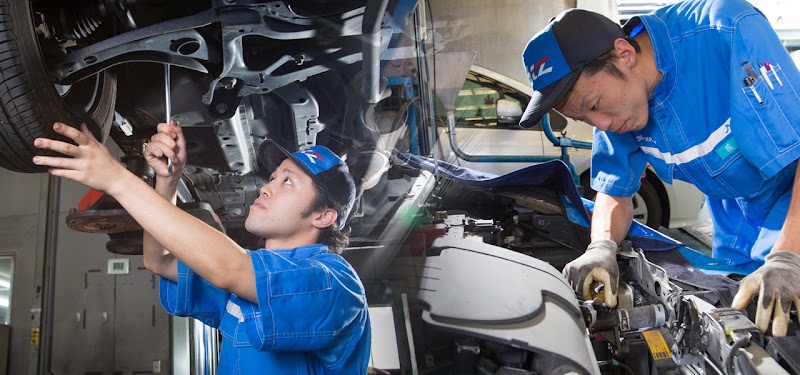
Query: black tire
646	196
29	102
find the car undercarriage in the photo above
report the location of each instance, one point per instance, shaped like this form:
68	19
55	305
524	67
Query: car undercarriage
299	73
468	263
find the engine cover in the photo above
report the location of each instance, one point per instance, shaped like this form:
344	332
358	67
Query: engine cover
507	297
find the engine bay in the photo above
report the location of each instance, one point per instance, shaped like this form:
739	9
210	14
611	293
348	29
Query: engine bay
479	290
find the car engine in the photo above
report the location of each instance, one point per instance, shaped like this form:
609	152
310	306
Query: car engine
482	293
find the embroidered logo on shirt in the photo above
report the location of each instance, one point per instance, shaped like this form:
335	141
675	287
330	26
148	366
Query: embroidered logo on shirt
698	150
642	138
542	70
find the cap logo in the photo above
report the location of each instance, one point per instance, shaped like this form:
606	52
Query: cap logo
542	70
311	155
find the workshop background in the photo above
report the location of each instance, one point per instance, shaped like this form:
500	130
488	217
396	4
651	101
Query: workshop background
103	308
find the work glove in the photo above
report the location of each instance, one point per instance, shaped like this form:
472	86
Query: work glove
597	264
777	282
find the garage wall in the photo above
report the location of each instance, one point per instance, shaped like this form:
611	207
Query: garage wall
103	323
116	319
22	208
498	31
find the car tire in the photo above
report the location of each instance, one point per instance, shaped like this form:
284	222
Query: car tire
29	101
647	207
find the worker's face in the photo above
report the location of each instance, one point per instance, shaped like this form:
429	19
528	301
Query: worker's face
276	213
608	102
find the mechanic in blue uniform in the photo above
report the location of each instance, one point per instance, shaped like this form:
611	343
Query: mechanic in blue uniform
704	92
295	306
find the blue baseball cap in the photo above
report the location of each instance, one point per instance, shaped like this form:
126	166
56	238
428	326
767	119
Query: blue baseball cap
555	57
326	168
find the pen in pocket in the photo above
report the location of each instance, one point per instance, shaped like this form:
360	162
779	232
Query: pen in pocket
764	74
749	81
769	69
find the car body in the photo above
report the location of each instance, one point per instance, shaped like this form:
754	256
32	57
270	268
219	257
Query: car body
241	72
479	290
238	72
467	264
481	136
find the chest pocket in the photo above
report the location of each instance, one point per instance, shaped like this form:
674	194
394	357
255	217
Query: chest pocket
233	326
769	122
731	175
722	156
299	281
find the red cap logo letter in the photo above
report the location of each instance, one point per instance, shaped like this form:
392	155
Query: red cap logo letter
311	155
542	70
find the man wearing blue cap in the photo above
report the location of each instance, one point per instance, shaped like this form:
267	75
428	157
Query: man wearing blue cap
704	92
294	307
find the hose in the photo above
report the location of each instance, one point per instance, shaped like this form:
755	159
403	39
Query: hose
728	364
614	362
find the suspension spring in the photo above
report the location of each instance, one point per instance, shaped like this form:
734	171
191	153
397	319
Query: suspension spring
79	21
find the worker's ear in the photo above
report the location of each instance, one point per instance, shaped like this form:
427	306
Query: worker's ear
324	218
625	52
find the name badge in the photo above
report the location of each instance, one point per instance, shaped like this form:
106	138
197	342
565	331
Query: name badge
727	148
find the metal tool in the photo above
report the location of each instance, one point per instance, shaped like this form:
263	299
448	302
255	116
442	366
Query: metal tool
169	106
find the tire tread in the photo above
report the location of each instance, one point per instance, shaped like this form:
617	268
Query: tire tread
28	102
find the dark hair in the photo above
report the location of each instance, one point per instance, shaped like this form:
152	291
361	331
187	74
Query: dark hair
336	239
605	62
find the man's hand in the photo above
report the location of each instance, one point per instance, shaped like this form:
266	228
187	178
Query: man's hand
167	143
90	164
597	264
777	284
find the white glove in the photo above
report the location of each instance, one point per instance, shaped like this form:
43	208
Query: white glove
777	282
597	264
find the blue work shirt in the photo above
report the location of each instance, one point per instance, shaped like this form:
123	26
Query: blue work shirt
311	316
737	142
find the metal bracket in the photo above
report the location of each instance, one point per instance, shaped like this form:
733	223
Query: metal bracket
305	110
652	278
175	42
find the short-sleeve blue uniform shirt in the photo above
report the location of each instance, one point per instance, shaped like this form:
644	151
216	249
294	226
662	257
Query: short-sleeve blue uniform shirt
737	142
311	316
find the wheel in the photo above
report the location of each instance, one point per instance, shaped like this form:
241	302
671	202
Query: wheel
646	202
647	205
29	101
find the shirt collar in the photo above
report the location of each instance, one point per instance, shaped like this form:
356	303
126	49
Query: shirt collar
303	252
664	54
